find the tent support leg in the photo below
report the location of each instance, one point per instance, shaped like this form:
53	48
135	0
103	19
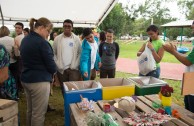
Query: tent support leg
2	16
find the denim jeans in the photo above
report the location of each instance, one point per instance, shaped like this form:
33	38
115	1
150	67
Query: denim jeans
154	73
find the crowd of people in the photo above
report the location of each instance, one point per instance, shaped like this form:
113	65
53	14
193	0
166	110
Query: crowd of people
31	61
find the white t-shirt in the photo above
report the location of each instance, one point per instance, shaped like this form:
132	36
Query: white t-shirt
19	38
8	42
94	49
67	51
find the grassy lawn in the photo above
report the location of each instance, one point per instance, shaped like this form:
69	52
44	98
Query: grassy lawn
129	49
56	118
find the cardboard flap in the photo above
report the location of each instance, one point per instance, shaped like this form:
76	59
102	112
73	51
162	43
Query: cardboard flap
114	82
188	83
4	103
144	81
126	82
79	85
111	82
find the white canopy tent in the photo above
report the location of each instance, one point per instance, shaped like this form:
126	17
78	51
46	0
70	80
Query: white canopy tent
187	23
84	13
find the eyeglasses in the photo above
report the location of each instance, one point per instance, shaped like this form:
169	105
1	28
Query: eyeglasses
67	26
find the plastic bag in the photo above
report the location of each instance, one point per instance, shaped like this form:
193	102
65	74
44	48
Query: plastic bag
146	62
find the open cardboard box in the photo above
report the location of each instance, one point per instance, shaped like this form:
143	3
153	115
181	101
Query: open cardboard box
80	85
147	81
8	112
145	85
116	88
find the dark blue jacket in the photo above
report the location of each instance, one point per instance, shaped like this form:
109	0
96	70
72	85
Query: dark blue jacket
37	59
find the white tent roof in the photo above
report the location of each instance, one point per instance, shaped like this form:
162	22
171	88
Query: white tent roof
187	23
84	13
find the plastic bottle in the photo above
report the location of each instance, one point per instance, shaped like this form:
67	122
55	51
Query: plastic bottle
109	120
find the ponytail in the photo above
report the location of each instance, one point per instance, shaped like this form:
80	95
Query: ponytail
34	23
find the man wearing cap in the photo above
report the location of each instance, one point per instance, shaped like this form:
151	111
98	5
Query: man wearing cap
187	61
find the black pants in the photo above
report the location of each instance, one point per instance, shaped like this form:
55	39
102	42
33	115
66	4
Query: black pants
16	69
107	73
92	74
189	102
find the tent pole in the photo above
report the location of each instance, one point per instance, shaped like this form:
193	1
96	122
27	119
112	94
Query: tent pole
181	36
164	33
2	16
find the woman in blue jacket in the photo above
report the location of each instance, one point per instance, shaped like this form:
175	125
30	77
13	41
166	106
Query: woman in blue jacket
38	69
90	59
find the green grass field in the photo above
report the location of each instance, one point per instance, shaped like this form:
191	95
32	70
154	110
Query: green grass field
129	49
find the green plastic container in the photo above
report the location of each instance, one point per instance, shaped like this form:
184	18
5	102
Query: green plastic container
146	85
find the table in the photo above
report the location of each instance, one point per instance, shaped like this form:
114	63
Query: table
143	104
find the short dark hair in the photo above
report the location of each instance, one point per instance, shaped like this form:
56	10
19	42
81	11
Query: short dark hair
68	21
51	35
27	30
19	23
87	31
153	28
110	31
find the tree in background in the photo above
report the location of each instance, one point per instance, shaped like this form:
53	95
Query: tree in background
133	19
187	7
117	20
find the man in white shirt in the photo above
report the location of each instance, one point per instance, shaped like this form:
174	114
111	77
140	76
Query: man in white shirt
67	49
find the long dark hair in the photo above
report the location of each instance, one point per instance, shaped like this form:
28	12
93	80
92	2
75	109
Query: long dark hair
153	28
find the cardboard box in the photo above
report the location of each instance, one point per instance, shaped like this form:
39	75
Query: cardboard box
88	89
8	112
116	88
10	122
187	83
145	85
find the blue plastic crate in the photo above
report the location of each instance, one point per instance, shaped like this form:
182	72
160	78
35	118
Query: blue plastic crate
72	91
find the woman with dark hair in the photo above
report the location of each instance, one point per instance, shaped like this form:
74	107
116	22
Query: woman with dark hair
102	37
155	45
38	70
52	37
26	31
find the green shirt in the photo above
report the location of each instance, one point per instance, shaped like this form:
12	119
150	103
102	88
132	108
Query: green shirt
157	44
190	57
51	42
